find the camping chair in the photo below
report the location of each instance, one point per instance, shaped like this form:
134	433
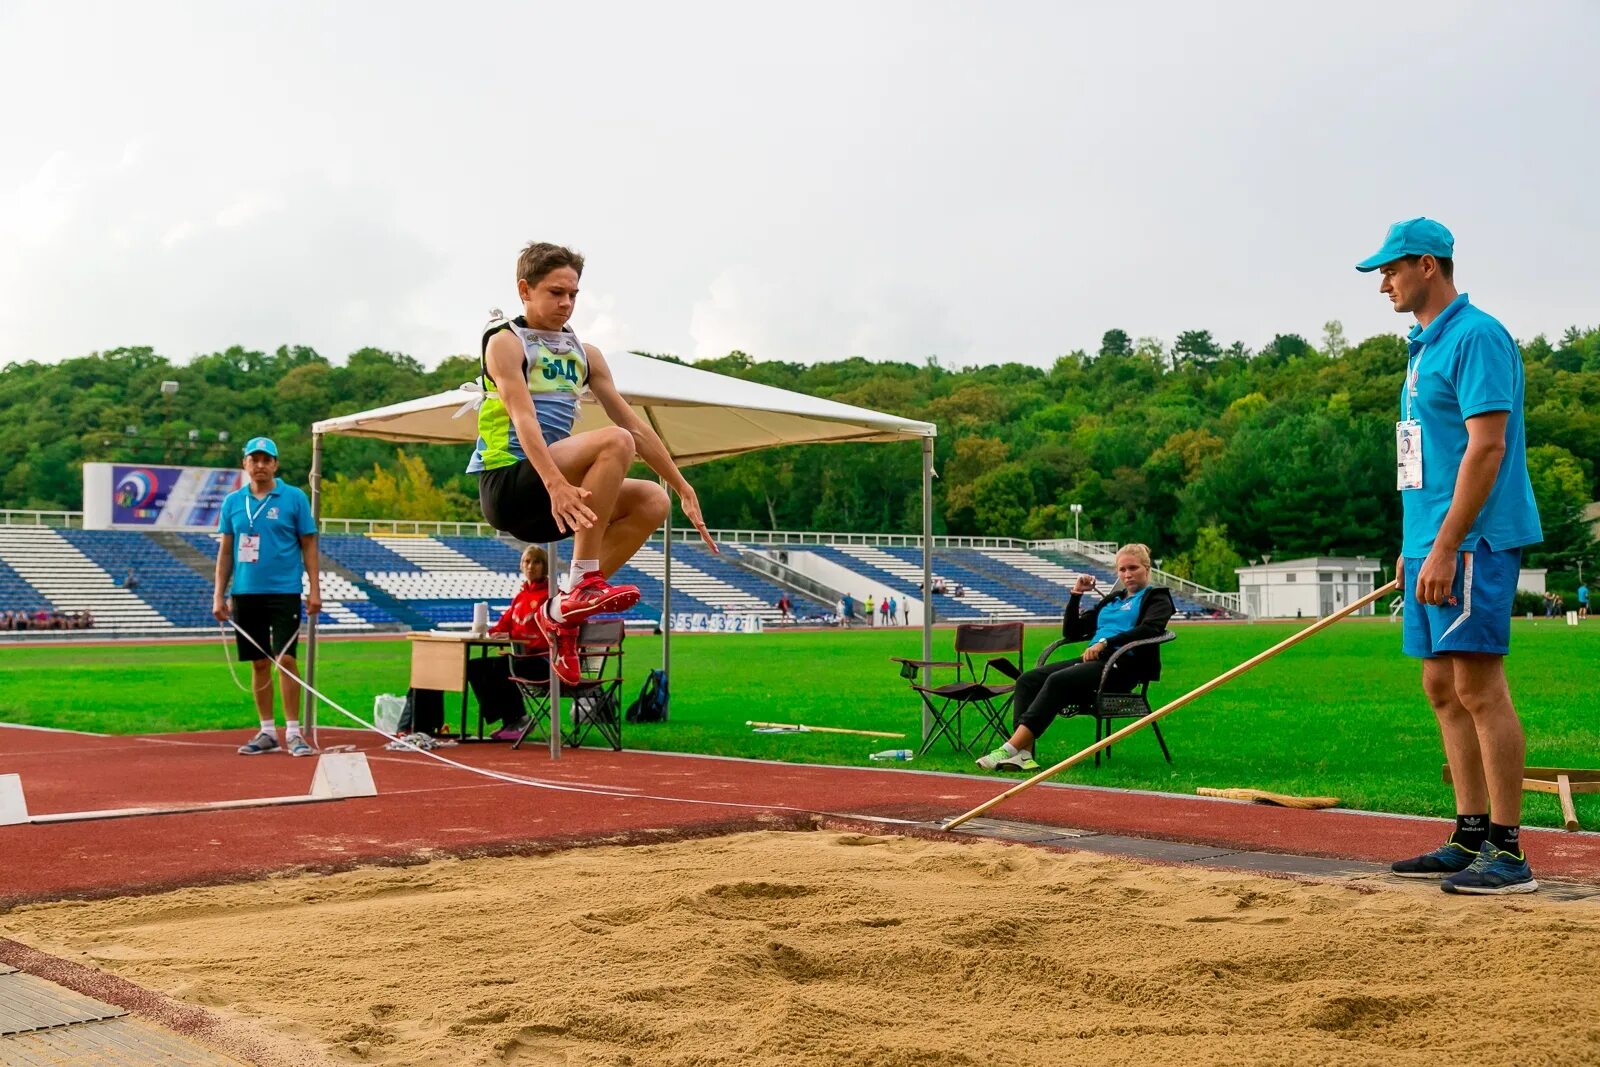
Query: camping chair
991	700
596	697
1108	704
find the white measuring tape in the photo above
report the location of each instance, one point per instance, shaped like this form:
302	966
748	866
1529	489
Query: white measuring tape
277	661
516	779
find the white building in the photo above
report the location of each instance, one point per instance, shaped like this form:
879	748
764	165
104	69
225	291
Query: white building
1307	588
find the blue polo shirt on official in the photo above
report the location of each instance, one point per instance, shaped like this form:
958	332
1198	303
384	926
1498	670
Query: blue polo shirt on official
1117	617
280	519
1466	364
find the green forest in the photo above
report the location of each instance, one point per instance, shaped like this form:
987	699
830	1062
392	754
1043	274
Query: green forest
1213	455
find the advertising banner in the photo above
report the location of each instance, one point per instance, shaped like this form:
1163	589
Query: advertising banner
118	496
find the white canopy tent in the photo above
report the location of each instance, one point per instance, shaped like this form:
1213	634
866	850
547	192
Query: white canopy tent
698	414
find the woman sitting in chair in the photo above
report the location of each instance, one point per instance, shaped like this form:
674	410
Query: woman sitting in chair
1136	611
490	676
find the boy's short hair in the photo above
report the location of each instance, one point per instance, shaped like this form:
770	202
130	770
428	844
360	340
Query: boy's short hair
540	258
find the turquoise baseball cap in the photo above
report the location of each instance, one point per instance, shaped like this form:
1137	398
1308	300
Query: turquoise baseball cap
1413	237
261	444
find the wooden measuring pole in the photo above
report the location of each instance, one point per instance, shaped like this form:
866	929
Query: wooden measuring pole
803	729
1193	694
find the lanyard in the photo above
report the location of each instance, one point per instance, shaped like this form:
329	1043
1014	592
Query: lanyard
253	515
1410	387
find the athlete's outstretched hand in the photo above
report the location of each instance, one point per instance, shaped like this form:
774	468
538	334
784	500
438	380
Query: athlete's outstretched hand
568	507
219	609
691	510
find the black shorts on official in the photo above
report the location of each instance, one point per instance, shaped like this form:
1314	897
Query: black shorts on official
273	619
514	500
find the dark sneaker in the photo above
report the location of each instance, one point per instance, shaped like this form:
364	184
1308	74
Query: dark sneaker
299	746
562	637
1494	872
1448	858
592	596
262	742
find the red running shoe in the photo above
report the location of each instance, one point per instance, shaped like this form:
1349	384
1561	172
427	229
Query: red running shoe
562	639
592	596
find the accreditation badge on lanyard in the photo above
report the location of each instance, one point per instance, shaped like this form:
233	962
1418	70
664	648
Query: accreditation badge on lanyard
250	543
1408	439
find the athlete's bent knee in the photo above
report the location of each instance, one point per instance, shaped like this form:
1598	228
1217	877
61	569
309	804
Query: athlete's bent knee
618	441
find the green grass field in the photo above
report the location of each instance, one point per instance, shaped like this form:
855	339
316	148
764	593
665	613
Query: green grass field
1341	714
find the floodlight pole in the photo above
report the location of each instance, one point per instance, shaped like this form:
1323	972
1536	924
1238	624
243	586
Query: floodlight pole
927	575
309	708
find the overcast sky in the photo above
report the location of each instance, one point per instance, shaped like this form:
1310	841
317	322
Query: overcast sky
977	181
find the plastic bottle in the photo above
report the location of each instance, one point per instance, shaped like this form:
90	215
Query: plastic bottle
894	754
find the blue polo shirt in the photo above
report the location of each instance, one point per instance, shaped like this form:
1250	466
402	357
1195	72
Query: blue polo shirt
280	519
1466	365
1117	617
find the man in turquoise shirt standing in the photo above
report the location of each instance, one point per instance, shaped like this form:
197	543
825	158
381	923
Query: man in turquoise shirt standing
267	549
1461	468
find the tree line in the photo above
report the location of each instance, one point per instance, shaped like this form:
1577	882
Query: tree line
1212	454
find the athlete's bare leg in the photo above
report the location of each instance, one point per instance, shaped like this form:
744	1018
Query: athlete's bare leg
598	461
627	510
640	510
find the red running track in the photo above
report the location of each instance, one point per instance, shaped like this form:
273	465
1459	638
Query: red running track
425	810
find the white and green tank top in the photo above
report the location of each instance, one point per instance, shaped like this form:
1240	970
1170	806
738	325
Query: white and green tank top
555	368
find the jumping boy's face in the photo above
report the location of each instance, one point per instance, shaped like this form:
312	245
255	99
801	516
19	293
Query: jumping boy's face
548	302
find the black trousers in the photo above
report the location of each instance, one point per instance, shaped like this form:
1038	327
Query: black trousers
492	687
1044	692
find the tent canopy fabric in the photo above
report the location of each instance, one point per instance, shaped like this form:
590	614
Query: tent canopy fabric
700	415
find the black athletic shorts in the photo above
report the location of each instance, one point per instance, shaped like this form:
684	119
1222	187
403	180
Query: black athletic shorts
514	501
273	619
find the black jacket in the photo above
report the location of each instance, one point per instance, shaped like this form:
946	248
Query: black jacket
1154	613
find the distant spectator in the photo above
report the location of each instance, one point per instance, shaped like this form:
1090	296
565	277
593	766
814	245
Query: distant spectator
847	608
938	584
870	620
130	581
905	608
1583	601
883	610
15	620
1549	604
784	607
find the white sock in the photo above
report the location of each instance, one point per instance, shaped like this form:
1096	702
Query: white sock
580	568
1010	749
292	728
268	726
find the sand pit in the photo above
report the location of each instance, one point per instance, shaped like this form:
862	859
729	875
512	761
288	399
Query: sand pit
833	948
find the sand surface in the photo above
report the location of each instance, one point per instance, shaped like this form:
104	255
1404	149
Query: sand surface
833	948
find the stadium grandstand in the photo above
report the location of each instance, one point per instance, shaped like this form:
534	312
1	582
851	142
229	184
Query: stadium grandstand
431	576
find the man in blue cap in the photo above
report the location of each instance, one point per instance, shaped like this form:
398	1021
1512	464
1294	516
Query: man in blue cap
1468	511
268	547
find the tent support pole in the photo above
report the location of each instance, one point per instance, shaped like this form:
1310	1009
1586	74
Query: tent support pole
309	710
666	589
666	562
552	551
927	574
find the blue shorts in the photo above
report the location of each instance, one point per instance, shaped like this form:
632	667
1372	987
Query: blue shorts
1479	620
